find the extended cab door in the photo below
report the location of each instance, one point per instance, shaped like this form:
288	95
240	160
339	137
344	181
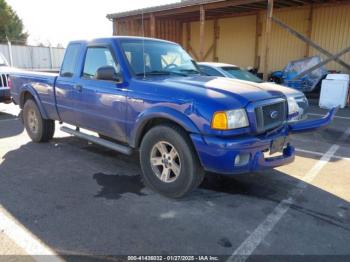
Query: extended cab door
102	105
67	95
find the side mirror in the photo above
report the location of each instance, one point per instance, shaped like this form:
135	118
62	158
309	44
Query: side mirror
108	73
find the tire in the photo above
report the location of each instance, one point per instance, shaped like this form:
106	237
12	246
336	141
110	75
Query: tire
189	173
38	129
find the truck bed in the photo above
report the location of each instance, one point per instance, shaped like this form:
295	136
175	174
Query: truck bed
41	84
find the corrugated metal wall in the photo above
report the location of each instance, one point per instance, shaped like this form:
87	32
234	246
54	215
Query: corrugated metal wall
57	57
284	47
331	30
5	51
241	40
34	57
133	27
169	29
236	42
194	38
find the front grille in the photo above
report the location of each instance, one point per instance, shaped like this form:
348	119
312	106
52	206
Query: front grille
3	80
4	90
270	116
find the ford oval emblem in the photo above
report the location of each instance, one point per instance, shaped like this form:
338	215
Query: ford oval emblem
274	114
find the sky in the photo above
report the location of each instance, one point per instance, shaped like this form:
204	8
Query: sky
59	21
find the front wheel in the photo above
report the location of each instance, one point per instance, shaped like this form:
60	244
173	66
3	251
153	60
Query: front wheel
38	129
169	163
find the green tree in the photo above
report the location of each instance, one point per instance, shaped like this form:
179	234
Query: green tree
11	26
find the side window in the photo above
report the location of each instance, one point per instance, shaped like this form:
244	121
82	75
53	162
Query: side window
97	57
70	60
209	71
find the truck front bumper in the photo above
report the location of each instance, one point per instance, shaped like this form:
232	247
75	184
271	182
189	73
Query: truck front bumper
220	154
250	153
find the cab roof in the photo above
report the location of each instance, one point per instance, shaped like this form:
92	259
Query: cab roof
106	39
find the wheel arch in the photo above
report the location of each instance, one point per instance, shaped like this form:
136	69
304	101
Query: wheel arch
171	132
29	93
165	116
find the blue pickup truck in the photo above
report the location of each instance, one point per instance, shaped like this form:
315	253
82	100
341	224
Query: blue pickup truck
147	95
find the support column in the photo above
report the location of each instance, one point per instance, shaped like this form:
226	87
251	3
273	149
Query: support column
115	27
10	52
268	37
215	43
179	27
188	36
132	27
258	28
309	30
153	25
201	32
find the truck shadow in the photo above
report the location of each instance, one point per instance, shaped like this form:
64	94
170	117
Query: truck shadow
10	126
68	193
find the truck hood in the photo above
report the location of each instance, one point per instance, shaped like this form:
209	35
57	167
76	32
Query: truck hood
287	91
243	91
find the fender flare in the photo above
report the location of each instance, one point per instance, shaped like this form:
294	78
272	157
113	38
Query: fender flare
31	90
160	112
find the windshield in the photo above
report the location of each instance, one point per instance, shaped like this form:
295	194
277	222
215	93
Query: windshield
241	74
160	58
3	61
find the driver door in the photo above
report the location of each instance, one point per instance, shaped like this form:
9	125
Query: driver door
103	103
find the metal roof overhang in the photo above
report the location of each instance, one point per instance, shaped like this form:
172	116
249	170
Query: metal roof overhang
189	10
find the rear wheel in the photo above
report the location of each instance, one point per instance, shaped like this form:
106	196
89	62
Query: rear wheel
38	129
168	161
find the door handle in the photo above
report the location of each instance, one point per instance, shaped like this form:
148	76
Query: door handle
79	88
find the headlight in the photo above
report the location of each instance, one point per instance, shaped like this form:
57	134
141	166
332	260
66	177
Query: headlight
292	106
230	119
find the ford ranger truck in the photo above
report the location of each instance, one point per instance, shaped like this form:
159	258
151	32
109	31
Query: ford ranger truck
147	95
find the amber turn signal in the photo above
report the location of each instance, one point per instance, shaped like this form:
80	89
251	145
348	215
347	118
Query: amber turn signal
219	121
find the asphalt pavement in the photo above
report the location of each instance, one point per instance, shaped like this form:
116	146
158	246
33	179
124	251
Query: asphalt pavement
71	197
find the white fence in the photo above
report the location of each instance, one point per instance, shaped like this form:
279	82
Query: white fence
33	57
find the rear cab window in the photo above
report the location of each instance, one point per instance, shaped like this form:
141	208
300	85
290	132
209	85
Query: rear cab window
70	60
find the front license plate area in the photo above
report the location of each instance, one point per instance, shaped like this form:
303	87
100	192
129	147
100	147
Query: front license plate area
277	145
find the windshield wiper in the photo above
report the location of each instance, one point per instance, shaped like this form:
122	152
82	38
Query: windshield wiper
161	72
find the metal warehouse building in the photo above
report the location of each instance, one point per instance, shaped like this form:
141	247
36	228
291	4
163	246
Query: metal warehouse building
246	32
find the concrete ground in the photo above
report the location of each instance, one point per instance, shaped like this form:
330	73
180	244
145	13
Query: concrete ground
69	197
